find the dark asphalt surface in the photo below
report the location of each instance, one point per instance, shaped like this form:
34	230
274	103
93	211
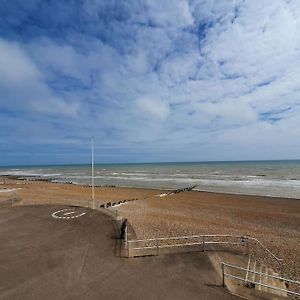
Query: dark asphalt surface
46	258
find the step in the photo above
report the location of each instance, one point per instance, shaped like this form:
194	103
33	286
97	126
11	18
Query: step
264	279
249	291
277	283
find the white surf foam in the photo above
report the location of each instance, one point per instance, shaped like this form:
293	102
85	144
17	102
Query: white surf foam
8	190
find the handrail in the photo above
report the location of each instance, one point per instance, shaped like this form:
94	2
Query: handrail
272	254
260	273
224	274
180	245
185	237
203	242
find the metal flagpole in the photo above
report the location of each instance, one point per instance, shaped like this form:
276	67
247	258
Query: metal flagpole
93	183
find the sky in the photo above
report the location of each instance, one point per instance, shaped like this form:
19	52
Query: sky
150	80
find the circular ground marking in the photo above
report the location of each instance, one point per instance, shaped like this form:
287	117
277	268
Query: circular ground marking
68	213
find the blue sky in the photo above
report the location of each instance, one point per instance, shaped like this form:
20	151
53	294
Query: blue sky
150	80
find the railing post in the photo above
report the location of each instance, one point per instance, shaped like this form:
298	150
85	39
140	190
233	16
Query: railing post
281	268
126	242
223	276
157	247
203	242
247	242
128	253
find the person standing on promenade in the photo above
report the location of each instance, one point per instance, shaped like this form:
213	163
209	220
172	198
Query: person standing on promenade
123	229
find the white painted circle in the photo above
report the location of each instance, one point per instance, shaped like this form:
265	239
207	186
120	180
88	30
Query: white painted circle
67	214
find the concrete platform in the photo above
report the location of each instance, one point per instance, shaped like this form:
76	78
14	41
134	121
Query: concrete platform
43	257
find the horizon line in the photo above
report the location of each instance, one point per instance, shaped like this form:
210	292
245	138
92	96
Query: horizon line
145	163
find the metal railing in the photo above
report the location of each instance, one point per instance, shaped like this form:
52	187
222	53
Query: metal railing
155	244
247	280
142	245
275	259
265	248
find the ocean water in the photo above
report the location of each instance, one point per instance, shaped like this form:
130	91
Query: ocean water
272	178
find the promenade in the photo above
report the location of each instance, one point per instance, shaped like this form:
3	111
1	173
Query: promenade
55	252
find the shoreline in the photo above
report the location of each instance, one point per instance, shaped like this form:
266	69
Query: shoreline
24	179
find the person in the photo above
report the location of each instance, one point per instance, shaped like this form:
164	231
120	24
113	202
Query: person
123	229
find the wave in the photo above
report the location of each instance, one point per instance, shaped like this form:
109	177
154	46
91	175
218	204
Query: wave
29	173
234	182
258	180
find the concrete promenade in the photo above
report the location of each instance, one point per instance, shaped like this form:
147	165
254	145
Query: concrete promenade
43	257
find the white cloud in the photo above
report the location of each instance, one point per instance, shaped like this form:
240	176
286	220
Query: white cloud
56	106
15	66
166	14
231	111
22	85
154	107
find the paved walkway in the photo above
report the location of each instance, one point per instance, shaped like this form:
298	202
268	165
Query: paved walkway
42	257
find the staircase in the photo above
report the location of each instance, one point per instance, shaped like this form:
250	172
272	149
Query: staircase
258	276
248	277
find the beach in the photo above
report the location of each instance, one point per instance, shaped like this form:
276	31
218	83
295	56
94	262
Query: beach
274	221
265	178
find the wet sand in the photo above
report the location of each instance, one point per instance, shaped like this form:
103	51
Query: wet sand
274	221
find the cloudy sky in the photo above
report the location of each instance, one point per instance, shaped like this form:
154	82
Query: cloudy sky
151	80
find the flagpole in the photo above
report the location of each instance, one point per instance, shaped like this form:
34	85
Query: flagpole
93	182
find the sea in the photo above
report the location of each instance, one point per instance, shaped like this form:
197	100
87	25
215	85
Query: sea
267	178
